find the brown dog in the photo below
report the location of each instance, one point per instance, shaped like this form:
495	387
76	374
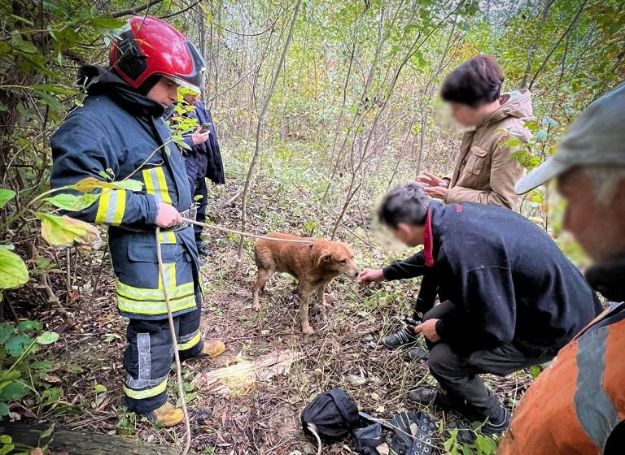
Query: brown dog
314	265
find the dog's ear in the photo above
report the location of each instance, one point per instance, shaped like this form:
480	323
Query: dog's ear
324	257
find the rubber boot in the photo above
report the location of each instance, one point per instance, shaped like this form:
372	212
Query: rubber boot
166	416
213	348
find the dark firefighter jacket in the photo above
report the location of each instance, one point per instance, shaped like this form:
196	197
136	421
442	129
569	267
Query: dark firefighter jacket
204	160
119	132
507	278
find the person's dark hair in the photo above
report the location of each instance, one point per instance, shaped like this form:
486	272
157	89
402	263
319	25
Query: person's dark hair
404	204
473	83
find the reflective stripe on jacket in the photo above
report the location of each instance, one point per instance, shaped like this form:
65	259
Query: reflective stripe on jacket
101	138
575	405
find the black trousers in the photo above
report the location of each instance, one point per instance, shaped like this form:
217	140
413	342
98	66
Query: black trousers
458	374
150	353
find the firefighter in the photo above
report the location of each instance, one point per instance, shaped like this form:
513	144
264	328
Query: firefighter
119	133
577	405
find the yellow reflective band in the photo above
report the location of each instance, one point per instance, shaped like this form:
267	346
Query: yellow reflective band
131	292
156	184
169	270
167	237
192	342
154	307
146	393
111	207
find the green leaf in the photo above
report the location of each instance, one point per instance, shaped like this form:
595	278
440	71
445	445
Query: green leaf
13	391
4	410
6	196
130	185
6	330
99	388
72	202
47	338
13	271
8	377
24	326
5	439
65	231
16	345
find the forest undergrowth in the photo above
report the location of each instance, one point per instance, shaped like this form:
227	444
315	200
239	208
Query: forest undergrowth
248	416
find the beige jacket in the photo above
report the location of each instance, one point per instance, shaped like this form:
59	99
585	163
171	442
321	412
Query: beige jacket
485	170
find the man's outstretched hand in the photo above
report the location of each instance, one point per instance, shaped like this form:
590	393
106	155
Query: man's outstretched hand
428	330
428	179
370	276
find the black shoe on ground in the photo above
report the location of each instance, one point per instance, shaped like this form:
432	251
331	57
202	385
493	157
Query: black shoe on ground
431	395
204	251
467	432
494	427
399	339
417	353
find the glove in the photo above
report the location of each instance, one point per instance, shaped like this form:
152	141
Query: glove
413	433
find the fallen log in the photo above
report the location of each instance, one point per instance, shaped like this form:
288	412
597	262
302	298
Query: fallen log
73	442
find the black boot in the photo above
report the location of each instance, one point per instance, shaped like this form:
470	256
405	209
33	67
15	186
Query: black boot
204	251
431	395
399	339
494	426
417	353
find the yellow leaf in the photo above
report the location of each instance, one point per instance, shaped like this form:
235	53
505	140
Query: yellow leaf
66	231
89	184
13	271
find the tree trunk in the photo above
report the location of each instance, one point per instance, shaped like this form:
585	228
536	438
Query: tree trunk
78	442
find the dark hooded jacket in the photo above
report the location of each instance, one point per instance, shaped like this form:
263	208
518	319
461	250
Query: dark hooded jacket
118	134
204	160
506	277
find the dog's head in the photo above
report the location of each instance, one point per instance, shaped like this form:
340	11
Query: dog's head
339	258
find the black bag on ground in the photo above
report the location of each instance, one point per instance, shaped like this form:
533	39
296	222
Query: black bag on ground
333	415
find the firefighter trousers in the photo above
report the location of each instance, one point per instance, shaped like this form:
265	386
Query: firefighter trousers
150	353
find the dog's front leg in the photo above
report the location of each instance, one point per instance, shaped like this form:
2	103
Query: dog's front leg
305	292
325	299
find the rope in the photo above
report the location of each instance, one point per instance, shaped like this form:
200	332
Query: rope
246	234
174	340
313	429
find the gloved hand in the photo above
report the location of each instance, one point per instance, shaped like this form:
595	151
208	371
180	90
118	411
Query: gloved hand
167	216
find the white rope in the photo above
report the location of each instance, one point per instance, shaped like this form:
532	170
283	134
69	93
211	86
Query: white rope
313	429
174	341
247	234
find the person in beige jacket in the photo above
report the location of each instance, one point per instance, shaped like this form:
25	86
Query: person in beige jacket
485	171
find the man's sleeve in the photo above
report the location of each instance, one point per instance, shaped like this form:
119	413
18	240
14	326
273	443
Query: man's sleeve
505	172
80	150
412	267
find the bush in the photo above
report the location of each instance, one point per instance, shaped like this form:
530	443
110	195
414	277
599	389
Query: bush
20	373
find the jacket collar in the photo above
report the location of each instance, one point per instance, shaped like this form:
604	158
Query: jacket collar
516	104
98	80
607	278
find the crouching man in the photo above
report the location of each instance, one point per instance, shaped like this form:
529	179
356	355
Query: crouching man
509	297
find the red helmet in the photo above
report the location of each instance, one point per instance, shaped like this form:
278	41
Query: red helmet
150	46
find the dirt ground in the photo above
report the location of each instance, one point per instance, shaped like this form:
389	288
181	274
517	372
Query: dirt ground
250	417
